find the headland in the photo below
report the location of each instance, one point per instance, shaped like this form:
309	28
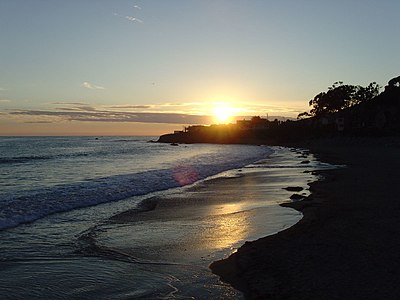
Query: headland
342	111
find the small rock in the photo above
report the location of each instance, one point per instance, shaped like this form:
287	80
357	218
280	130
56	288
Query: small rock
293	188
296	197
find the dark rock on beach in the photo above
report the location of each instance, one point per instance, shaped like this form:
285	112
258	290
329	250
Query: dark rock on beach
296	197
293	188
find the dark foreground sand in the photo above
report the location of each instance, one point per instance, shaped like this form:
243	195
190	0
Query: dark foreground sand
347	246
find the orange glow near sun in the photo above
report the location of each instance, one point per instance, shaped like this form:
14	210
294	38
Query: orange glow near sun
223	113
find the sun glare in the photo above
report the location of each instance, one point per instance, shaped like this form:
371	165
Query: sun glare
223	114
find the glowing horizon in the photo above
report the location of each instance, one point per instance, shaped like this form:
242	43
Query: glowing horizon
90	67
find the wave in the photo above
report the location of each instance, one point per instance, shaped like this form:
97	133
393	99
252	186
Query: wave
61	198
33	158
65	149
27	159
22	159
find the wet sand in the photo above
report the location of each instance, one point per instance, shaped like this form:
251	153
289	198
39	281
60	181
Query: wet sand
212	219
181	233
347	246
163	251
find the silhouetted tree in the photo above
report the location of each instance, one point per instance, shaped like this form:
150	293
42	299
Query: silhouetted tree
366	93
340	96
393	83
336	98
304	115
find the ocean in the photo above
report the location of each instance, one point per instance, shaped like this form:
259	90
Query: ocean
126	218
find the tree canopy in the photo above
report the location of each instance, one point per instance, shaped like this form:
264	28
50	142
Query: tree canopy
393	83
340	96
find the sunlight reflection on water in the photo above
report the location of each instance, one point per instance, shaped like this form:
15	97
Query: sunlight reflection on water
164	252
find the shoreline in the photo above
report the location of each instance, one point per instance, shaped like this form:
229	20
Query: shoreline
216	216
345	246
233	195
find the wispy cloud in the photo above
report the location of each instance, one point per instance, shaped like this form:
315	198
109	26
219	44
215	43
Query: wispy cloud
84	112
38	122
2	89
133	19
130	107
74	106
68	103
130	17
166	113
92	86
115	116
79	108
4	101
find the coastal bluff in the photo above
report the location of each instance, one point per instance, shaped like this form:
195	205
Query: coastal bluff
255	131
243	132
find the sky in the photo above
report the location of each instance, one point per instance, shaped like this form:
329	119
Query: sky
124	67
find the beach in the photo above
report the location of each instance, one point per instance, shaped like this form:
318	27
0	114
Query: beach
66	235
347	244
339	242
186	230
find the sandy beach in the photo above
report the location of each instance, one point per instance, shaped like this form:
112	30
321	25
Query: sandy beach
345	247
158	245
347	244
180	234
187	230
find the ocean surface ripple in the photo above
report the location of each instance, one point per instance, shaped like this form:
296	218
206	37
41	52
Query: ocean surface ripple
40	176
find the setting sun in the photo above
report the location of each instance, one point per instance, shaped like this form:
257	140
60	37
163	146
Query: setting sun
223	113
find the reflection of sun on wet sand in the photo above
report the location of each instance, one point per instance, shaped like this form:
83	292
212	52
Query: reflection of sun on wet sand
346	246
212	218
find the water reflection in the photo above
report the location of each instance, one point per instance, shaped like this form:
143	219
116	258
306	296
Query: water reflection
227	230
206	221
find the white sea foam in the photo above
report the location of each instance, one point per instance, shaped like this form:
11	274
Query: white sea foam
144	168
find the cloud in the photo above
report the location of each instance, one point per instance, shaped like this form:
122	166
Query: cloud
129	17
189	113
68	103
38	122
115	116
4	101
133	19
2	89
82	108
75	106
91	86
130	106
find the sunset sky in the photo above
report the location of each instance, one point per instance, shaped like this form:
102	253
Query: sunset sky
102	67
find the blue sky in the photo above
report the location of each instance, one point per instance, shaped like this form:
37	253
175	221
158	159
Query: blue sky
93	67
